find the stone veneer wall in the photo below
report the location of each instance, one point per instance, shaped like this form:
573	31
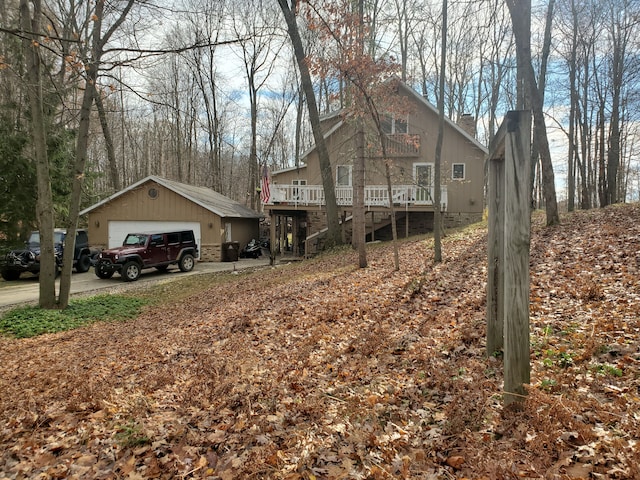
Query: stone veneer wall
211	252
452	220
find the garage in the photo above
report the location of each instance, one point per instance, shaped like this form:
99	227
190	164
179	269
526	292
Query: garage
158	204
118	230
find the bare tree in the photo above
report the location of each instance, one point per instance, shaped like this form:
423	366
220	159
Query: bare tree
255	27
31	25
437	220
289	11
520	11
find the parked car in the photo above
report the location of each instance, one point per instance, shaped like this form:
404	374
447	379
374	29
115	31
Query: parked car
19	261
148	250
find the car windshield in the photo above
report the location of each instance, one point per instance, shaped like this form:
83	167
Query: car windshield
34	238
135	239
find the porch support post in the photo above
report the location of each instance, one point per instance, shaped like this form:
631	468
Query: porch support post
406	221
373	226
272	237
295	247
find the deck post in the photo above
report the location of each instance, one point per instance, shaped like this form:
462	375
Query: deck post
272	237
508	251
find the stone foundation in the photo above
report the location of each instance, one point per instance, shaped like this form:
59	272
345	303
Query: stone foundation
453	220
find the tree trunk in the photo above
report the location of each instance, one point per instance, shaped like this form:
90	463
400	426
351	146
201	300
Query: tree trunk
82	142
392	209
333	227
520	11
108	140
573	107
359	224
437	220
44	204
542	81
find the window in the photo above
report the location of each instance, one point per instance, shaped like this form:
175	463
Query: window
173	237
157	239
343	174
391	124
457	171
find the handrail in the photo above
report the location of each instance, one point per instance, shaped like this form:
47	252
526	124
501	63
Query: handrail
374	195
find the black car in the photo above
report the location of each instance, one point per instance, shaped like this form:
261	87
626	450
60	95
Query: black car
17	262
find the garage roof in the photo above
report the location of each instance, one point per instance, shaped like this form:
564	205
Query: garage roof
205	197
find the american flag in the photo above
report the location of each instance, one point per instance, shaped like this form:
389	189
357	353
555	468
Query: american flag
265	193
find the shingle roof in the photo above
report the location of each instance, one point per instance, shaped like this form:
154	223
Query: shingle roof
205	197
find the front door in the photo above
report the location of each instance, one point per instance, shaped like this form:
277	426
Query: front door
423	178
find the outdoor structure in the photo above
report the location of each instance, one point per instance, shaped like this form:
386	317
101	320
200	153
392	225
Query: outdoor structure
296	197
509	203
154	204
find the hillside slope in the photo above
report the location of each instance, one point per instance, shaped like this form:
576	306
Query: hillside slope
321	370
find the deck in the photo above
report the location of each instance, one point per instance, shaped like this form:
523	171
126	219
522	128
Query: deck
374	195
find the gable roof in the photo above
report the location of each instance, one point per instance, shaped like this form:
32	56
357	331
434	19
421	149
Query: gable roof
205	197
430	106
416	96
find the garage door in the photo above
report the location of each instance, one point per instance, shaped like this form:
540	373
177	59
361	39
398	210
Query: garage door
118	230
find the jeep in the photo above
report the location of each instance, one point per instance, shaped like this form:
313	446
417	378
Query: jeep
28	259
148	250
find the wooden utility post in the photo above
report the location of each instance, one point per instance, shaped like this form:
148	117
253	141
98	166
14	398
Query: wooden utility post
508	251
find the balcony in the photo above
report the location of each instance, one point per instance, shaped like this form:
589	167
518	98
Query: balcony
402	145
374	195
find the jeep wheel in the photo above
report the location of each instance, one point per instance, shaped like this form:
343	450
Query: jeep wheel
186	262
102	272
10	275
130	272
83	264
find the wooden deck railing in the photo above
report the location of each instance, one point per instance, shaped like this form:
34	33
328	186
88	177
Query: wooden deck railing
374	195
403	145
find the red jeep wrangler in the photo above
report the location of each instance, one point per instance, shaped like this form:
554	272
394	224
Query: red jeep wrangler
147	250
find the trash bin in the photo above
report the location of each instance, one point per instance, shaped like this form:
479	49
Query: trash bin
230	251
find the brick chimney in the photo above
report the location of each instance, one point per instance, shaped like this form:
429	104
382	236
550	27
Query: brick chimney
468	124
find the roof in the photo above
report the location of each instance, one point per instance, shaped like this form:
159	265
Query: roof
289	169
417	97
451	123
205	197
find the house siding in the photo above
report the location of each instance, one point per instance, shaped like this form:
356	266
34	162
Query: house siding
168	206
464	196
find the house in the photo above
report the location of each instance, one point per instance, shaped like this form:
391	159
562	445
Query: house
296	203
155	203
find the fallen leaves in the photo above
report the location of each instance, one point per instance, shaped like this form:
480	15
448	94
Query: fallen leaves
335	372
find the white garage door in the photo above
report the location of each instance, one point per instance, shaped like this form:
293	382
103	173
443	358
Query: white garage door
118	230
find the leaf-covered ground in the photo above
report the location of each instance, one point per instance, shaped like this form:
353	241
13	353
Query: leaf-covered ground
320	370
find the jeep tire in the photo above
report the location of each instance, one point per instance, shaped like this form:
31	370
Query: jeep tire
102	272
186	262
10	275
130	272
83	264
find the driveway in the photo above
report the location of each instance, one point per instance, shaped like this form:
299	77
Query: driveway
26	289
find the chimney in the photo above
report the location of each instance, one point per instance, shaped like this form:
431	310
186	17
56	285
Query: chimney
467	123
